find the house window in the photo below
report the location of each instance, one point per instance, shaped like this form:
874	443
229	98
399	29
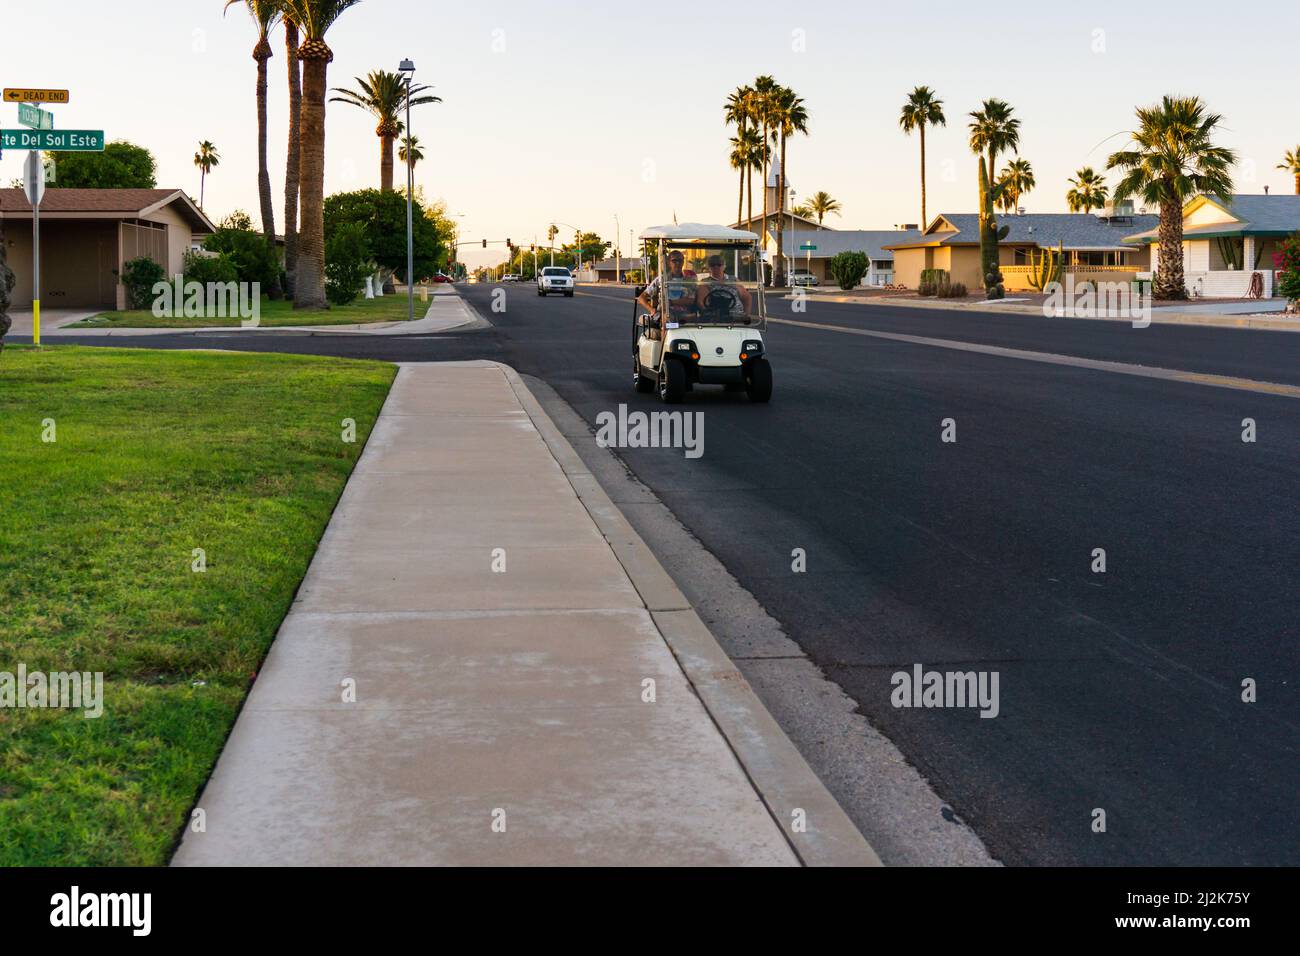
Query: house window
1092	258
1020	256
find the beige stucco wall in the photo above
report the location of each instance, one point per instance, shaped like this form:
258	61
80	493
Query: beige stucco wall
179	237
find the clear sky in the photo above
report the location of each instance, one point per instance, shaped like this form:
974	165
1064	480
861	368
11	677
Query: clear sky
580	111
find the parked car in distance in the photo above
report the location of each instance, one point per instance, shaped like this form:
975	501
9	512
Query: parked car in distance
555	279
512	277
442	277
802	277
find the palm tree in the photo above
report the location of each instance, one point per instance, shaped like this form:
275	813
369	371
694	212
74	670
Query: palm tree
294	152
821	204
789	116
313	19
922	109
1090	191
265	13
206	158
764	88
1173	159
1016	180
1291	163
993	130
383	95
736	110
803	210
409	152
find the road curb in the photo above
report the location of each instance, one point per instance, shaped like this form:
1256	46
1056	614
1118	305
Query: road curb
1224	321
787	785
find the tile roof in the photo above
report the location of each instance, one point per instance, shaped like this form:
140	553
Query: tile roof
99	202
1256	214
1072	230
831	242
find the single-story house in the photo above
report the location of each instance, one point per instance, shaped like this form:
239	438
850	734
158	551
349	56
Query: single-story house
605	271
875	243
1224	244
1094	247
88	234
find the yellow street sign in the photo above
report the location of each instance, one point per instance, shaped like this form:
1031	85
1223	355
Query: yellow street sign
35	96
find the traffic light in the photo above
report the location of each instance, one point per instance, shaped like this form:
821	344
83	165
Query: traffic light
532	247
484	243
509	244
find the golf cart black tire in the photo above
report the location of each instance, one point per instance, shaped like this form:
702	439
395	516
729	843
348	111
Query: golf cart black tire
672	382
540	292
640	383
759	381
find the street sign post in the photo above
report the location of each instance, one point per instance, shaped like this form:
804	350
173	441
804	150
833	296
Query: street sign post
35	96
34	187
35	117
808	247
54	140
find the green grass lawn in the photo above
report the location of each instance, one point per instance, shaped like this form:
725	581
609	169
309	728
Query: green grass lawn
390	308
155	454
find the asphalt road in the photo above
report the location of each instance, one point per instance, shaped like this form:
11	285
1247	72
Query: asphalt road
1118	691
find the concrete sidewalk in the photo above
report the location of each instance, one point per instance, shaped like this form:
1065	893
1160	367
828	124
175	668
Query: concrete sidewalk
500	716
444	311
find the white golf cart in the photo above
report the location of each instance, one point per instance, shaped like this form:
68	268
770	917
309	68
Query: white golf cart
711	332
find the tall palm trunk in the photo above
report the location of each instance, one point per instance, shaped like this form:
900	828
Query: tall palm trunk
1170	280
1297	184
203	185
262	53
924	221
780	219
309	284
294	155
386	159
749	185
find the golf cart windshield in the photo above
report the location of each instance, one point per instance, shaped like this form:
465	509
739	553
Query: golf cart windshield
708	283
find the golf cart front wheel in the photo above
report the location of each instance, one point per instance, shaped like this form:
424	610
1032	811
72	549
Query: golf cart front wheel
672	382
759	381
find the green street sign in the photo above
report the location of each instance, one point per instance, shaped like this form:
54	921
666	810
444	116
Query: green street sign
35	117
54	140
807	248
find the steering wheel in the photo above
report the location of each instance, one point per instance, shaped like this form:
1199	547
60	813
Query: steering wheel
720	301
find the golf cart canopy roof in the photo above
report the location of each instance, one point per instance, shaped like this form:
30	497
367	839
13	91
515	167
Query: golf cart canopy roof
698	232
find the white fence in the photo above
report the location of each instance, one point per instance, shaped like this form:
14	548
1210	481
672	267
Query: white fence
1227	284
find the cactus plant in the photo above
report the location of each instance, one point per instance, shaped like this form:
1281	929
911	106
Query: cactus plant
990	234
1045	269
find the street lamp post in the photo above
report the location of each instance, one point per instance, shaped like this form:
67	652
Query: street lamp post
407	69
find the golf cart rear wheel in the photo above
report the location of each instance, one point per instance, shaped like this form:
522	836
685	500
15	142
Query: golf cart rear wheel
759	381
639	382
672	382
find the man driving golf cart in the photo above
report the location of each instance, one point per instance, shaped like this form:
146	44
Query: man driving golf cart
711	331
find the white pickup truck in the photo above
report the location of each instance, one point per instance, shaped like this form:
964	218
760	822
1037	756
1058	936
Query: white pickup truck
555	279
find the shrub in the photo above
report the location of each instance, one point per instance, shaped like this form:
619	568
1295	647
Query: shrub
347	262
382	216
933	282
140	275
1288	264
253	258
207	269
848	268
953	290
